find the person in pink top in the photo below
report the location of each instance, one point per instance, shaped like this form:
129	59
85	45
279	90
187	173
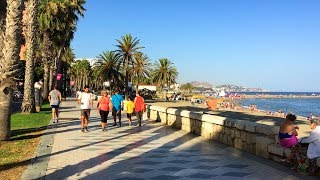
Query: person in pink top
139	107
103	106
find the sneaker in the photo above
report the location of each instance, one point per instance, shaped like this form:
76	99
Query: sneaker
53	121
82	130
86	130
57	120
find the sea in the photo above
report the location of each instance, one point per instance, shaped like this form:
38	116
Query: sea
298	106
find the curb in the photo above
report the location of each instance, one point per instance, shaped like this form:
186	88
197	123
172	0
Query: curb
38	166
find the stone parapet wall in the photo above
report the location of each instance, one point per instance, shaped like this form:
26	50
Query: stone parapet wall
255	138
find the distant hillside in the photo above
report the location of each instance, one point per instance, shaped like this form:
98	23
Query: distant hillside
234	88
199	85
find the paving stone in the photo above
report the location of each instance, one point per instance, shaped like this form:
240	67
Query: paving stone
235	174
236	166
201	176
164	177
172	169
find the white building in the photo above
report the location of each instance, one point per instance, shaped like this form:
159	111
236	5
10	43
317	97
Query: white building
92	61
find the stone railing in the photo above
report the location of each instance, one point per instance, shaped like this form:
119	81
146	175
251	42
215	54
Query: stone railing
255	138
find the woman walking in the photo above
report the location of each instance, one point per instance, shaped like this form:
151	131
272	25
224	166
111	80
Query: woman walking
139	107
103	107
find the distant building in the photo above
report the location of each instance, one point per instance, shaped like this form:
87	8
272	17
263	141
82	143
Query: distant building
149	87
175	87
93	61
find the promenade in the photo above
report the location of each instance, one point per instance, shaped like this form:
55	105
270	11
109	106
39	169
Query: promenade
151	151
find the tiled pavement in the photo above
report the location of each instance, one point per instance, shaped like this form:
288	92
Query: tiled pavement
148	152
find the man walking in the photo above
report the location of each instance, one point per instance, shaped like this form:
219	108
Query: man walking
55	99
117	105
85	99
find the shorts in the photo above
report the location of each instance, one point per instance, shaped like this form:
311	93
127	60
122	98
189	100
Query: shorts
129	115
85	110
115	112
104	116
55	106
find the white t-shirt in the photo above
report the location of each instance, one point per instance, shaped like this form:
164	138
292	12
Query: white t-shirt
85	100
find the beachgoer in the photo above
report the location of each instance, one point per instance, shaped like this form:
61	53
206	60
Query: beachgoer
129	106
139	107
307	150
288	134
85	99
55	100
117	106
103	106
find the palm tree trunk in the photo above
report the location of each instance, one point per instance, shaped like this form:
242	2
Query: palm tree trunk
126	79
28	104
9	69
3	12
51	78
46	65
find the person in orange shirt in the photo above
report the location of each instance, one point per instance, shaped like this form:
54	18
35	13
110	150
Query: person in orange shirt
139	107
103	107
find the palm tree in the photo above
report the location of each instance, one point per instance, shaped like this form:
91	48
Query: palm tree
141	68
28	104
3	11
109	67
71	10
49	21
127	47
80	71
164	73
9	63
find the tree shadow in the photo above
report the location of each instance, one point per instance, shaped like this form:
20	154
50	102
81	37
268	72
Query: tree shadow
117	167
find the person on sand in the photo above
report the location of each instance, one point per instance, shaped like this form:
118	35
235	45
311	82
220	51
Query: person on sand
288	132
129	106
55	100
103	106
139	107
85	99
307	150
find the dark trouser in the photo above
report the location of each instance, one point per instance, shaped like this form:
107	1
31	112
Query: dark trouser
139	117
114	114
104	116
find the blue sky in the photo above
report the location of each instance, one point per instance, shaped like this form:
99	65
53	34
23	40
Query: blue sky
271	44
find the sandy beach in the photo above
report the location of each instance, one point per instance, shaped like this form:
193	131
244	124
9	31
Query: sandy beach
245	114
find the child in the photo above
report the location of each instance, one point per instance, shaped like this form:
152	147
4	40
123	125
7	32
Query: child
129	107
84	122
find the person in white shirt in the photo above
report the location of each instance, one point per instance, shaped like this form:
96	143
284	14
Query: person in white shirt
85	99
313	139
305	153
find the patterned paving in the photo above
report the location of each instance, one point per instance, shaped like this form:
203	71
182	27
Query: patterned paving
148	152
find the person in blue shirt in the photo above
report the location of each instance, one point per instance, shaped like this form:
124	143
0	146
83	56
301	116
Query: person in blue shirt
117	106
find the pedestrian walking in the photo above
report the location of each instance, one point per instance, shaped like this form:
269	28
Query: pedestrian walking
129	106
85	99
117	106
139	107
55	100
103	106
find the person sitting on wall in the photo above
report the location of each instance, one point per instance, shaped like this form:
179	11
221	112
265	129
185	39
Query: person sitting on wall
288	132
305	153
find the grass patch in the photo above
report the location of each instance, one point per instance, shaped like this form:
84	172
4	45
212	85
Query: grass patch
26	131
